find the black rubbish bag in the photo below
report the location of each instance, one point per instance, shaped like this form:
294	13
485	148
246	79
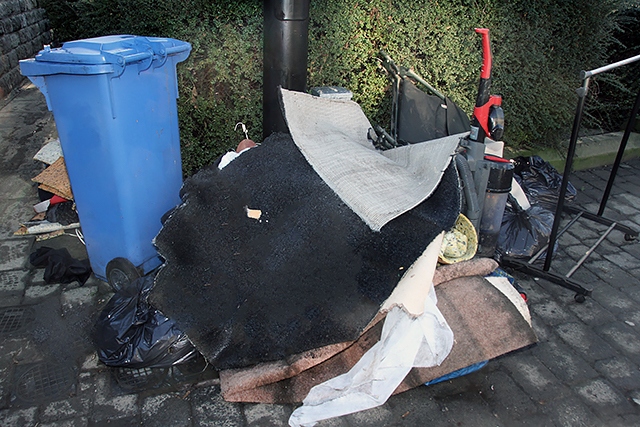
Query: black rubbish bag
63	213
524	233
60	266
541	182
131	333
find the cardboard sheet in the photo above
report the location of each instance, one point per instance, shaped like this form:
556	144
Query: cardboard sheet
55	179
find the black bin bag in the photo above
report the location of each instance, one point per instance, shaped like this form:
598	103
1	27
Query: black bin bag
131	333
524	233
541	182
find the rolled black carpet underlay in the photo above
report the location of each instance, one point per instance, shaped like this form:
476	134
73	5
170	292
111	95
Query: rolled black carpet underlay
309	272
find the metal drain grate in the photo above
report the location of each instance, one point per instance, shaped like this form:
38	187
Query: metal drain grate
139	379
14	319
43	382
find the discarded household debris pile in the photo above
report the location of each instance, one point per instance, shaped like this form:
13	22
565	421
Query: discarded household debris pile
56	212
54	215
418	116
304	269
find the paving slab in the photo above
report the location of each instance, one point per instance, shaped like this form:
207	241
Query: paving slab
551	312
467	409
14	254
543	332
378	416
73	298
568	366
623	337
632	249
333	422
114	408
166	410
19	417
12	281
571	411
621	372
507	400
533	377
599	394
71	408
414	407
37	293
262	414
210	410
74	422
585	341
19	351
10	299
611	297
591	312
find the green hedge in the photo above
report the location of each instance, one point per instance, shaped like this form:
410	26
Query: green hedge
539	48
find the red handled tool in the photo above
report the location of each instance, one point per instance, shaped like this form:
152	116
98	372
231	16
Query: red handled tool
488	117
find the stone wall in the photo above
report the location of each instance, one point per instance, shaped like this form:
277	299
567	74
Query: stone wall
24	30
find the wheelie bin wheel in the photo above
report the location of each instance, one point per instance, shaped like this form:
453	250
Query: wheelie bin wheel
121	272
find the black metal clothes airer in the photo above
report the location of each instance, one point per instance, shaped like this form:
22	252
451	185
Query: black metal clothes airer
565	281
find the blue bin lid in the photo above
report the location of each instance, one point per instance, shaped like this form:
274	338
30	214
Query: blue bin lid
100	55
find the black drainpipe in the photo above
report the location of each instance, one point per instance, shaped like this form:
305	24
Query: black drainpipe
286	35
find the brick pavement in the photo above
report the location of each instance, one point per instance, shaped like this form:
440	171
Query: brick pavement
585	370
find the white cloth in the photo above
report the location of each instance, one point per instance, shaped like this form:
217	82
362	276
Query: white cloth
377	185
229	157
406	341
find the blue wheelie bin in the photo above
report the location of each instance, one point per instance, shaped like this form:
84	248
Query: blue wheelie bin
114	103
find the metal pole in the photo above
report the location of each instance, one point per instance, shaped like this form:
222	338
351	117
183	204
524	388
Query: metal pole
582	95
590	250
286	38
616	164
591	73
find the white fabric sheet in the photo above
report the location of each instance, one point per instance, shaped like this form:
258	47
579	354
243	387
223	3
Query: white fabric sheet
406	341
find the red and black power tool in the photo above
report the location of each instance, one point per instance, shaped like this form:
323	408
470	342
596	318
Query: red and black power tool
488	117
